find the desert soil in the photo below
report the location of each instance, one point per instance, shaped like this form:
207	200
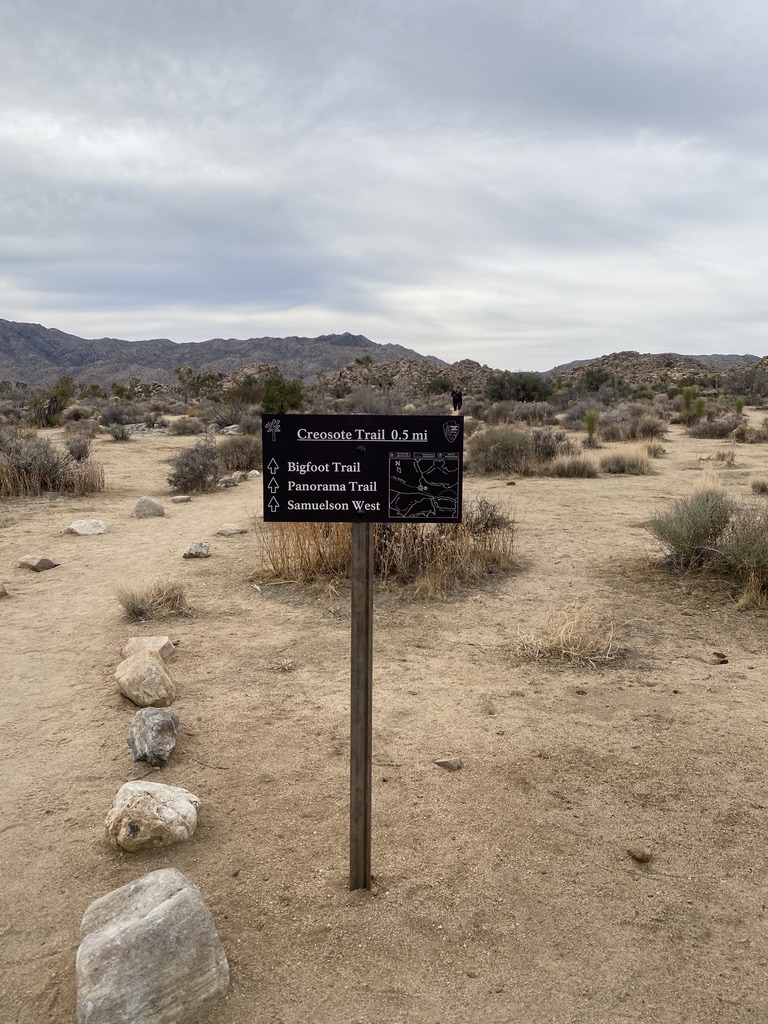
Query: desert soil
504	891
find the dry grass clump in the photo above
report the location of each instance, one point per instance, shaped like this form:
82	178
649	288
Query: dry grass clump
746	434
726	456
577	635
576	466
186	426
241	452
633	463
30	465
430	560
157	599
760	485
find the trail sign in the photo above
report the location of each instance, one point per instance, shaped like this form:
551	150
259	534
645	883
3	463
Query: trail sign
383	469
363	470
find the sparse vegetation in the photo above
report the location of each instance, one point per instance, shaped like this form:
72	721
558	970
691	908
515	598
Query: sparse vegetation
430	560
634	463
575	466
78	446
119	431
716	428
30	465
690	527
157	599
240	452
196	469
579	636
186	426
760	485
499	450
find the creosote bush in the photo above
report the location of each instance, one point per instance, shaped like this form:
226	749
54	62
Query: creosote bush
30	465
119	432
78	446
576	466
196	469
715	429
691	527
186	426
157	599
633	463
578	635
430	560
499	450
240	452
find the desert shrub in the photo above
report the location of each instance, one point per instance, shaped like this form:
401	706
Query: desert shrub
634	421
759	486
633	463
114	414
30	465
241	452
714	429
78	446
579	635
576	466
728	458
573	417
690	527
82	428
250	424
157	599
533	413
195	469
746	434
499	450
186	426
548	444
76	412
655	450
119	431
430	560
521	386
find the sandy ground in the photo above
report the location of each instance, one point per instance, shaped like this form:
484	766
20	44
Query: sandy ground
503	892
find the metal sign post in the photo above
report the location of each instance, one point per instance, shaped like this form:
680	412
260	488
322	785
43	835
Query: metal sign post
362	470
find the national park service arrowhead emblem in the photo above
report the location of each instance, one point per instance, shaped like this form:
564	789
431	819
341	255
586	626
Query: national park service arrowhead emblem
451	431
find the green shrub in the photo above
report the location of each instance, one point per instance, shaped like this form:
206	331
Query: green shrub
196	469
240	452
691	527
500	450
576	467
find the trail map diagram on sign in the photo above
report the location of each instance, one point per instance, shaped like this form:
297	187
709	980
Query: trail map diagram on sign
424	485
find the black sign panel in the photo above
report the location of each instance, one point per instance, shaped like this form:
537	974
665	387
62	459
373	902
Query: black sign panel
380	469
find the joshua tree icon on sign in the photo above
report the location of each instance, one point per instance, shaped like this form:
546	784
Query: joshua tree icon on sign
274	428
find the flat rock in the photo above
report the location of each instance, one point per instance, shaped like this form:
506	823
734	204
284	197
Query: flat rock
144	679
3	591
149	954
196	550
87	527
227	481
233	428
151	815
37	563
451	764
253	474
147	507
230	530
181	499
162	645
152	735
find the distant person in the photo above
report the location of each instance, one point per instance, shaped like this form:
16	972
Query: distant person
458	398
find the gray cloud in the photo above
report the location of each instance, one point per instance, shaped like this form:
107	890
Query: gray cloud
521	183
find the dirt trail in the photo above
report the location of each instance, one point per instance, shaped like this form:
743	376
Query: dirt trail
503	891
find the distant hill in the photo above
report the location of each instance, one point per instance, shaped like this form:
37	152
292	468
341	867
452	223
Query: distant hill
40	355
711	362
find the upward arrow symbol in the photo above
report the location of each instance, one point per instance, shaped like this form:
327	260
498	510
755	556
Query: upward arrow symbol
273	466
273	485
274	504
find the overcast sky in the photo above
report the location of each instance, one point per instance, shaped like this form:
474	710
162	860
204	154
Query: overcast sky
521	182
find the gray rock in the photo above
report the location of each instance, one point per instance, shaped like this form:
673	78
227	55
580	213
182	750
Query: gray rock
241	477
181	499
87	527
37	563
150	815
230	530
162	645
227	481
3	591
640	852
144	679
451	764
233	428
146	507
149	954
196	550
152	735
253	474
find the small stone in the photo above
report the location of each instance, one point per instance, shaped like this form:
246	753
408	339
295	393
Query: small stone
640	852
719	658
162	645
149	952
227	481
253	474
37	563
149	814
451	764
87	527
196	550
144	679
147	507
152	735
3	591
230	530
181	499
